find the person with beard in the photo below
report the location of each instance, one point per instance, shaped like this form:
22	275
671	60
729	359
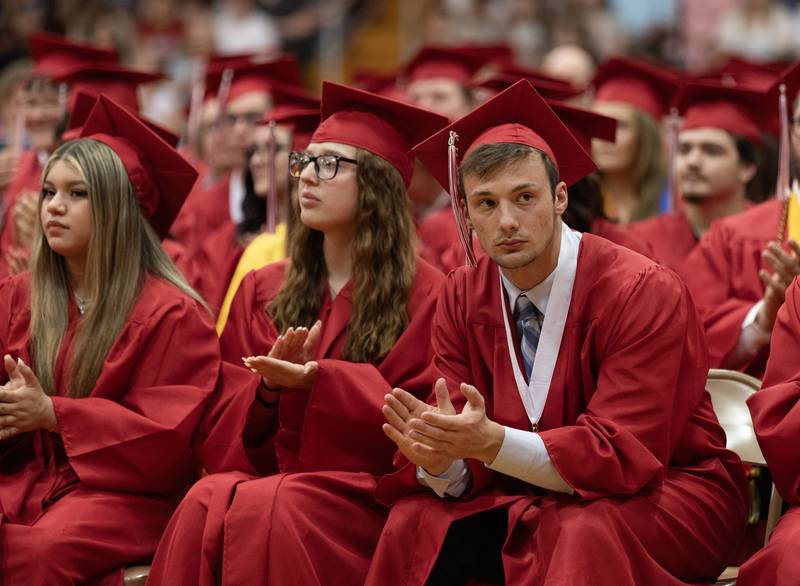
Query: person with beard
716	158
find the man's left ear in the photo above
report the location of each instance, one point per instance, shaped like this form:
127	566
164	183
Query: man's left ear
561	198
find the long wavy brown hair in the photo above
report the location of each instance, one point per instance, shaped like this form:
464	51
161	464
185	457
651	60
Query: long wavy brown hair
383	266
123	250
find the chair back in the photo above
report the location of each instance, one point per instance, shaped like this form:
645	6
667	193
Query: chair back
729	391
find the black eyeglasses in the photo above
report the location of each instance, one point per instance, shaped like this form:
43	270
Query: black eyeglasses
326	166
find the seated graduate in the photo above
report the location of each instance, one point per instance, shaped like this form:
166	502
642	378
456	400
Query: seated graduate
341	323
776	417
572	428
109	358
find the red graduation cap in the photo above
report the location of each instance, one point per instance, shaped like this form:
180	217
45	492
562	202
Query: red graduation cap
296	109
456	63
55	55
160	176
640	84
82	107
738	110
385	127
252	76
517	115
117	82
741	72
585	124
383	84
548	88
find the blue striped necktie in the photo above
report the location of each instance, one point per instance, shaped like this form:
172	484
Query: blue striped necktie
529	326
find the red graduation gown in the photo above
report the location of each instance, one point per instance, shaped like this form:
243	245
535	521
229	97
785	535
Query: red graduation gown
627	423
614	233
776	417
722	276
321	462
669	236
439	235
27	177
206	208
78	505
216	258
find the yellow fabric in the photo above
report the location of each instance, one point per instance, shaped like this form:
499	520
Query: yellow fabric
263	250
793	225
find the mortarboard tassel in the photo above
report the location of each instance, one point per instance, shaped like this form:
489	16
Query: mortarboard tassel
464	232
63	97
673	129
272	192
782	188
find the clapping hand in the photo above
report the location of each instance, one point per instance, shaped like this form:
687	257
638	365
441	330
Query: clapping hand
289	363
24	406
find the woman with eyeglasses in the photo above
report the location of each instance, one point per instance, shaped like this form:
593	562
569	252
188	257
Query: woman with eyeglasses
329	333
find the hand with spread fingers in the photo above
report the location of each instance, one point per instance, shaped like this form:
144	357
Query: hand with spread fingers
289	364
785	265
24	406
400	410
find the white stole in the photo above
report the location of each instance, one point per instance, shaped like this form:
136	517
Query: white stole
534	394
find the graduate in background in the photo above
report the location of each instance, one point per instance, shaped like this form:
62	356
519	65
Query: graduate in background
739	272
776	417
328	332
570	438
717	157
43	108
109	359
633	169
295	125
266	203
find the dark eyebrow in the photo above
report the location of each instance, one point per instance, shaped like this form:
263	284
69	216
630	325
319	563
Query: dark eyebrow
70	183
518	187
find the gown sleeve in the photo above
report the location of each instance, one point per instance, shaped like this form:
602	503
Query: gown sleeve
776	407
140	441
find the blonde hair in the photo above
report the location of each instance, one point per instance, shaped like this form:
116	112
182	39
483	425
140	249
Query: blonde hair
384	265
123	250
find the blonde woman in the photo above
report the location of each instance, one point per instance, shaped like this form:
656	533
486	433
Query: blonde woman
109	358
329	333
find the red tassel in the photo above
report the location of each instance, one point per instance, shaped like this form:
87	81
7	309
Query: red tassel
782	191
272	193
458	205
196	105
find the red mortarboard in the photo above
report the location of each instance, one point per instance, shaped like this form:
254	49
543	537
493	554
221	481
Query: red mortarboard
251	76
82	107
297	109
548	88
385	127
160	176
737	110
740	72
383	84
117	82
585	124
518	115
54	55
433	62
640	84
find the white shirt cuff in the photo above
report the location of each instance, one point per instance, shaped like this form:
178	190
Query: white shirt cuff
523	455
751	340
452	482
